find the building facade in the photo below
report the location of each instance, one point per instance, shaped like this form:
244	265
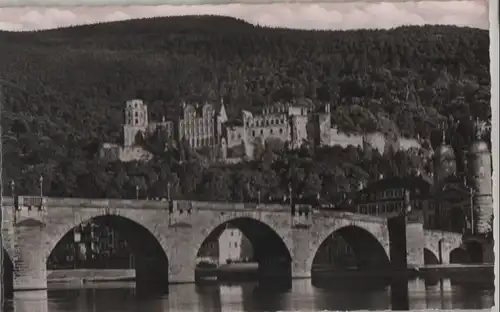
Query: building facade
230	246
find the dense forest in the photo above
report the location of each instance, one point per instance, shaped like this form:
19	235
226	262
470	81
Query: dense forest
64	92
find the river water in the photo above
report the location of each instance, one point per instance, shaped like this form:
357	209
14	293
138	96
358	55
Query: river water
251	296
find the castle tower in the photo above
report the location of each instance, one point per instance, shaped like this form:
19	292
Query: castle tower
444	161
480	171
136	119
299	117
444	165
325	124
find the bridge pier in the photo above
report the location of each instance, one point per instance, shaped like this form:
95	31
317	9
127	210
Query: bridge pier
30	267
36	301
301	253
182	267
445	258
407	242
300	269
415	244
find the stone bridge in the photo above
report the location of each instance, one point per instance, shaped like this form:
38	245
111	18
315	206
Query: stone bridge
172	233
439	245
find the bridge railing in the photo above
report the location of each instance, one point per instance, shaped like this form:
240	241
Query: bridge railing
350	215
68	202
190	206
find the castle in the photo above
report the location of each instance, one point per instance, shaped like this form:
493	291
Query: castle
207	126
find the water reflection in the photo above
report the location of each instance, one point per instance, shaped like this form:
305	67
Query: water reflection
329	294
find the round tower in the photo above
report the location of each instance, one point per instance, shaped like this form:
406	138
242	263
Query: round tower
480	171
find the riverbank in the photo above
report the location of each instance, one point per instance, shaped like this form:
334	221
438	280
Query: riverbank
80	276
232	272
249	270
90	275
461	272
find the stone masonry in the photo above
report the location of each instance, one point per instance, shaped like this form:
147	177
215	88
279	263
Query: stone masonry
30	233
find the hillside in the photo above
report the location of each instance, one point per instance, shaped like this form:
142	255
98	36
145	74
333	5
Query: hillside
75	81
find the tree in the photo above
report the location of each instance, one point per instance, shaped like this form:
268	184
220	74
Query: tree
398	82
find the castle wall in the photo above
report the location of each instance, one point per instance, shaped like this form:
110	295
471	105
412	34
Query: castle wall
110	151
338	138
127	154
376	140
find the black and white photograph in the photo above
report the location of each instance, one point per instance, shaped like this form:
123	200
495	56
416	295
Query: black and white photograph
247	157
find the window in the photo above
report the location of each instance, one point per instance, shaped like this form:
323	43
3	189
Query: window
281	130
271	131
261	131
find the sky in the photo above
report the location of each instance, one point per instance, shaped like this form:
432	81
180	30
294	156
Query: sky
473	13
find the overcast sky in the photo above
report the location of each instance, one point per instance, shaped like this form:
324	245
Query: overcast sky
472	13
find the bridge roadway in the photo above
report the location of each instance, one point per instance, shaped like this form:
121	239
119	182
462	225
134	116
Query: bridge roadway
170	234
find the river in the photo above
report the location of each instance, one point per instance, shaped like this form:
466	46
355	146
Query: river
250	296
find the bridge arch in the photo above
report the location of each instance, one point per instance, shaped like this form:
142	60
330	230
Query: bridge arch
470	252
150	256
441	244
430	257
269	246
365	250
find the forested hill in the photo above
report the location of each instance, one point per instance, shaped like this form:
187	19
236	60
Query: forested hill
75	80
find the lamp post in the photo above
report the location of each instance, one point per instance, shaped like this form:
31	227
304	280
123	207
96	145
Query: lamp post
258	197
12	188
168	191
407	203
471	203
137	192
41	185
13	193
